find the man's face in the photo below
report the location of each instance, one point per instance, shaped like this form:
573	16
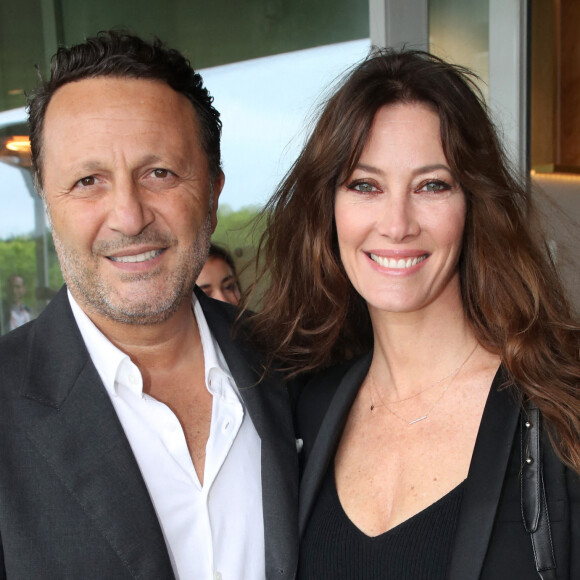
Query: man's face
129	195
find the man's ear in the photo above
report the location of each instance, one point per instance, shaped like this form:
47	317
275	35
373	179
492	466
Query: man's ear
218	185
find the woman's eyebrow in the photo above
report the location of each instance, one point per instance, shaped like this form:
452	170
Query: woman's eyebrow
416	171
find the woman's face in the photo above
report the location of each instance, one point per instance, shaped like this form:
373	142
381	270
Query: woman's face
218	281
400	215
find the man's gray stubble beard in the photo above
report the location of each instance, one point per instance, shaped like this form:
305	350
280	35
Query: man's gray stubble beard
95	295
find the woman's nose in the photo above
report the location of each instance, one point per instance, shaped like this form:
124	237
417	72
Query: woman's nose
398	220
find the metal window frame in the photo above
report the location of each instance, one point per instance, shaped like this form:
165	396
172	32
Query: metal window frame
406	22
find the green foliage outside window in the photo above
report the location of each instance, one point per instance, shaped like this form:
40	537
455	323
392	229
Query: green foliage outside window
237	229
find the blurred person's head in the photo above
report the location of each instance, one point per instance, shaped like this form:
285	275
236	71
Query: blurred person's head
218	277
15	289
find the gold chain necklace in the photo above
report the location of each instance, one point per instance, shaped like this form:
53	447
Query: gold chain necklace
453	374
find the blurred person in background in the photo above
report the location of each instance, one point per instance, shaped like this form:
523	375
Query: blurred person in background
218	278
16	313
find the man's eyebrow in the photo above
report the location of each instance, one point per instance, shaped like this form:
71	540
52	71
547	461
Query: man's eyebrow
91	165
150	158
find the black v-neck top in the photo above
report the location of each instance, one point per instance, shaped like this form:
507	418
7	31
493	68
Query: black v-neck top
333	548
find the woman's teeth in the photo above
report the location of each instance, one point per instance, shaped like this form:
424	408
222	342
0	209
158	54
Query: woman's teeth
400	263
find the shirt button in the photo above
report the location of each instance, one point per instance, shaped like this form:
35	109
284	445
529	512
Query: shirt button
217	576
226	425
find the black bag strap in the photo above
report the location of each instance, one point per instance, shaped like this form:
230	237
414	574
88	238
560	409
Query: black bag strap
533	495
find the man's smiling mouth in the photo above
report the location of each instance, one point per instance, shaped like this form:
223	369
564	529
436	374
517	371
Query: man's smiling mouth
144	257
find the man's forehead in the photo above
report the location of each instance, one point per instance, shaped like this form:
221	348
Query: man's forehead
137	109
108	95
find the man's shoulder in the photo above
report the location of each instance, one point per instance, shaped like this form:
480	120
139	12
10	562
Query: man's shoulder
15	342
14	357
225	320
43	336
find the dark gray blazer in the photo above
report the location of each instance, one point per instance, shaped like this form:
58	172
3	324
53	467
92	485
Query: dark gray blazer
491	542
73	503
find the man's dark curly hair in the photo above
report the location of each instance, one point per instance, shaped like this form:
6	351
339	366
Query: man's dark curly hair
123	55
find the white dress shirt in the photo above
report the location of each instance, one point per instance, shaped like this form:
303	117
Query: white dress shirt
215	530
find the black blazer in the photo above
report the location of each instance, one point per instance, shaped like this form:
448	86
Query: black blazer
73	503
491	542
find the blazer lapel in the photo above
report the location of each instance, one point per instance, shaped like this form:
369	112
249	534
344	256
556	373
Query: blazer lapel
268	404
79	435
484	482
482	487
328	437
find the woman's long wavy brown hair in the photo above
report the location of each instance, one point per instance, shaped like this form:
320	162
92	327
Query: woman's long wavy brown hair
312	317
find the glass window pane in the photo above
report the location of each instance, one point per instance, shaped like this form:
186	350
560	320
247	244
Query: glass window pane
264	94
29	271
459	33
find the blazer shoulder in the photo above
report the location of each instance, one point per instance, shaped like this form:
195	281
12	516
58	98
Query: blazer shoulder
314	398
224	318
14	355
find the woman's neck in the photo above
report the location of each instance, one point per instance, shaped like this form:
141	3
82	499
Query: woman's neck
415	349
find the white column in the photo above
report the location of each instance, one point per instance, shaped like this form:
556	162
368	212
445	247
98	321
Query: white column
399	22
508	74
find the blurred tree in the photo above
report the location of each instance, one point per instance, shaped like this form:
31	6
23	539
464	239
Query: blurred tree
237	229
239	232
17	256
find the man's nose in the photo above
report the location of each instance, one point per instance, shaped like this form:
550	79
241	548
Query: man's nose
129	213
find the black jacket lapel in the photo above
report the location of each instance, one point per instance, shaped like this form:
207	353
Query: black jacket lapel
484	482
328	437
78	433
268	404
86	447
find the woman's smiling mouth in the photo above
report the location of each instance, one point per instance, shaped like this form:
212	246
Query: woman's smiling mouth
397	263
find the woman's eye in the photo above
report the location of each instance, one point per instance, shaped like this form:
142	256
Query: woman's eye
362	186
435	186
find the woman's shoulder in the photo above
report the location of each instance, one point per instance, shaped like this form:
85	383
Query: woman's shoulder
317	391
319	388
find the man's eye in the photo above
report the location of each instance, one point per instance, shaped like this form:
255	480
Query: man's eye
160	173
86	181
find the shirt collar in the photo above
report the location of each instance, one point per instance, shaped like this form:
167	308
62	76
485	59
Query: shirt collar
215	363
106	357
110	361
